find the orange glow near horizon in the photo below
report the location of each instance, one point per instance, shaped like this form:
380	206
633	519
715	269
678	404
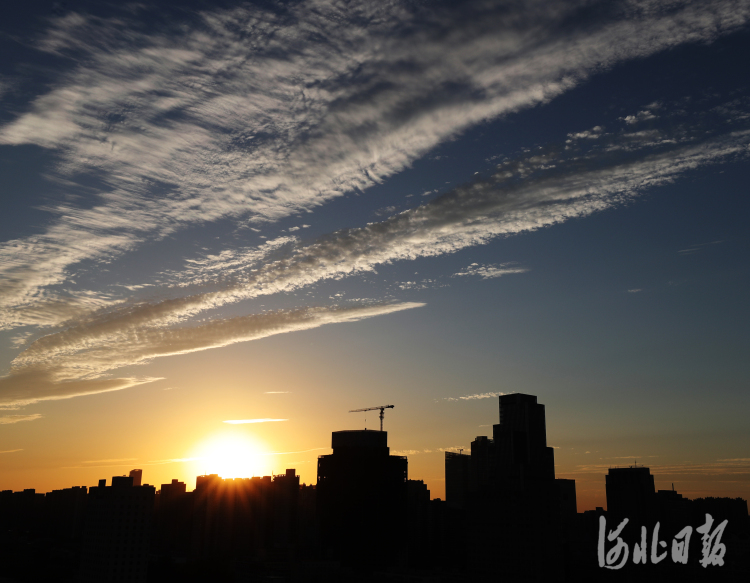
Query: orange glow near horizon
230	455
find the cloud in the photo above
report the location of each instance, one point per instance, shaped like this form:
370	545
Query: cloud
491	271
524	194
11	450
177	460
698	247
254	115
474	397
635	290
8	419
242	421
290	452
109	461
737	468
277	392
59	366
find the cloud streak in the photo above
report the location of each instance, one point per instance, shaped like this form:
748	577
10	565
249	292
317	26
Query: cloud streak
474	397
62	368
9	419
536	190
491	271
243	421
254	115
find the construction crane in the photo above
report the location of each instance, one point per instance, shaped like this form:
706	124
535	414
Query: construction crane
382	412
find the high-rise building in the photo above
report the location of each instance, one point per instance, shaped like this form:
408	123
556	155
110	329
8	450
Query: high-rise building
513	499
137	475
521	441
362	500
117	532
630	492
456	479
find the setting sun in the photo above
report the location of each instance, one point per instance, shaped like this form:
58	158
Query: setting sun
231	456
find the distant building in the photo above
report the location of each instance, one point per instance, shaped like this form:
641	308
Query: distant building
419	523
362	500
65	511
630	493
117	532
137	475
246	518
174	520
456	479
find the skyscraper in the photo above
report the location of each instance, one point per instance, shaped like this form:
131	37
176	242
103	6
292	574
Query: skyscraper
514	500
362	499
630	492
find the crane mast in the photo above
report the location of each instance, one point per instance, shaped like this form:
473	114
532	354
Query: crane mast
382	412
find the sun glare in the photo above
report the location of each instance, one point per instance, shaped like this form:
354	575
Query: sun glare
231	456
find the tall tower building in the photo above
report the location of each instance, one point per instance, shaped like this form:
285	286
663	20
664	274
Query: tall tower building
521	441
362	499
514	501
630	492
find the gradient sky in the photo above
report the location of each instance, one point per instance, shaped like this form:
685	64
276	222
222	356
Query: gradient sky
279	212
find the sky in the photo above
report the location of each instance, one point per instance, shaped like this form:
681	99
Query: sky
224	225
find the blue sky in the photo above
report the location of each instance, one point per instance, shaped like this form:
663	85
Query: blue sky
413	202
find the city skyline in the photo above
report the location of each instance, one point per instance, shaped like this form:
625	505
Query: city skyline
226	225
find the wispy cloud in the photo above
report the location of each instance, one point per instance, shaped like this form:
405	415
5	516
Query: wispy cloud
692	249
524	194
176	460
57	366
195	123
277	392
276	150
290	452
491	271
8	419
474	397
11	450
109	461
243	421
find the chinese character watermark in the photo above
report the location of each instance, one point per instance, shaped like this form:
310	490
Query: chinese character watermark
713	549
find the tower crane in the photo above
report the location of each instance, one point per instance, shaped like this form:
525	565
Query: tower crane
382	412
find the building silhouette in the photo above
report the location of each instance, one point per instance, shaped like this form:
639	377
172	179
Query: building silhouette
362	500
117	532
630	493
516	511
506	517
456	479
137	476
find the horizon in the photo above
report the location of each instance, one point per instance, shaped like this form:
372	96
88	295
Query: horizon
226	225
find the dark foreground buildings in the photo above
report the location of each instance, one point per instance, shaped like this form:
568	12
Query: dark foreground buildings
116	536
506	518
516	512
362	499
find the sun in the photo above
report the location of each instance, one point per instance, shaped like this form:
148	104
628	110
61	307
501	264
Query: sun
231	456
